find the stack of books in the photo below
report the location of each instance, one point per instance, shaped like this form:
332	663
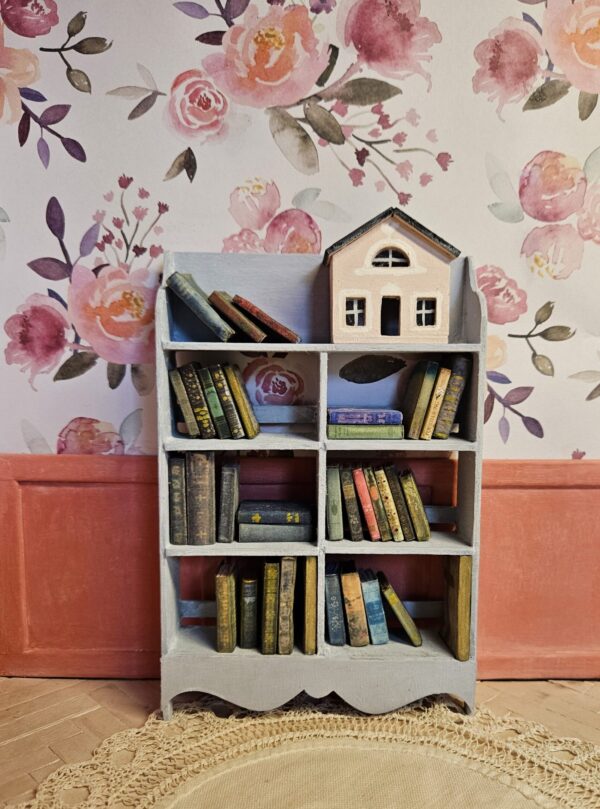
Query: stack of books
354	607
433	396
275	521
213	401
364	422
377	502
228	316
262	617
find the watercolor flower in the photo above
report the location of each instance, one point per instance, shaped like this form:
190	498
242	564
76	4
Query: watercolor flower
390	36
114	312
29	18
196	108
506	301
571	39
86	436
18	68
254	203
246	241
443	159
317	6
357	176
293	231
554	251
508	62
272	384
37	335
552	186
496	352
588	221
270	60
124	181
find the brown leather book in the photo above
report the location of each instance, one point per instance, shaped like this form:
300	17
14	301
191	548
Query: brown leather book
200	496
266	320
310	605
354	606
287	586
223	303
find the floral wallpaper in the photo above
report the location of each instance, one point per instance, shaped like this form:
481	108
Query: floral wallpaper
271	126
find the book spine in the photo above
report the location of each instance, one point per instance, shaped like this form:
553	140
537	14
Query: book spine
378	631
400	611
366	416
389	506
184	403
249	614
200	497
177	508
287	584
380	432
335	524
258	314
364	498
195	299
270	608
420	393
415	506
334	609
435	403
400	502
224	394
274	533
242	401
197	400
354	607
225	585
351	503
230	487
214	404
310	605
456	628
452	397
222	302
270	512
380	515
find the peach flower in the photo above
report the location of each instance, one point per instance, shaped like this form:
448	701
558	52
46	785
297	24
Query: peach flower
246	241
114	312
552	186
588	222
254	204
271	60
85	436
272	384
293	231
506	302
496	352
555	251
196	109
571	33
18	68
29	18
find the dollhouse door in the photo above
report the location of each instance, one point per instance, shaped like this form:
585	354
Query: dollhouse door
390	316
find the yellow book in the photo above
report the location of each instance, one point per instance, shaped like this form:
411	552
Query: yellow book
287	584
354	607
415	506
456	627
310	606
389	505
270	608
242	402
435	403
399	610
226	612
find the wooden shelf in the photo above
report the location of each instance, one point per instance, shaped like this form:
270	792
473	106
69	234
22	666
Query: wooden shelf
397	650
263	441
245	549
440	544
327	348
400	445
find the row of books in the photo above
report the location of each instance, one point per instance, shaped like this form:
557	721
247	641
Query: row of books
263	614
228	316
214	401
364	422
433	396
379	502
354	607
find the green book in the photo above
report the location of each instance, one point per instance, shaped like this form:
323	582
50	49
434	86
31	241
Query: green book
177	506
261	532
397	607
452	396
184	403
227	403
378	507
214	403
249	613
335	523
351	503
193	388
415	506
417	396
380	432
186	288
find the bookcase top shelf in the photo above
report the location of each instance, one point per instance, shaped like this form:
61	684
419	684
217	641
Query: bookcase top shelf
287	441
324	348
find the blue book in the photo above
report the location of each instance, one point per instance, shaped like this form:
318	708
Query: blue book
185	287
334	606
363	415
378	630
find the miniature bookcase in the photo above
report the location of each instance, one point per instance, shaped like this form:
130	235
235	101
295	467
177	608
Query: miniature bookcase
295	290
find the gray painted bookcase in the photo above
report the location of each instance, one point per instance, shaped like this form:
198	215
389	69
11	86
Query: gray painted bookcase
374	679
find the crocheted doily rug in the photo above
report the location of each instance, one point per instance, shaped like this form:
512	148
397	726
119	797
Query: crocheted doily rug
322	754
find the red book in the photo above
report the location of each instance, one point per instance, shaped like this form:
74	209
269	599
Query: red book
362	490
266	320
222	302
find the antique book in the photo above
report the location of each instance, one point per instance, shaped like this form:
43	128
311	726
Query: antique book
381	432
310	605
378	631
415	506
354	606
351	504
334	606
389	506
200	497
227	403
193	388
223	303
270	608
287	585
364	498
275	512
406	525
177	507
184	403
248	613
226	607
335	522
417	396
261	532
246	413
435	403
228	501
397	607
363	415
456	626
214	403
186	288
445	420
378	507
266	320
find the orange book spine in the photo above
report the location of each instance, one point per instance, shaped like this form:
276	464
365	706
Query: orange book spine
362	490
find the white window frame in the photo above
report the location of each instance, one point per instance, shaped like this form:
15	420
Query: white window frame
424	310
389	258
356	310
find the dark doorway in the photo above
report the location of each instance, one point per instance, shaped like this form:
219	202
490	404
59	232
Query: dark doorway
390	316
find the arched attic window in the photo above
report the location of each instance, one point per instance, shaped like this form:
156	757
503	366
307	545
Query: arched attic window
391	257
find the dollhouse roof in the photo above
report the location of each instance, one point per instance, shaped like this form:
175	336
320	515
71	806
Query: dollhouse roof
411	224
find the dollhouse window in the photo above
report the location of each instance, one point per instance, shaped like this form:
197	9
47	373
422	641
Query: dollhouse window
355	311
426	311
391	257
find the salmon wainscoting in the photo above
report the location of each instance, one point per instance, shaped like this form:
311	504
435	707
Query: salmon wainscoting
79	573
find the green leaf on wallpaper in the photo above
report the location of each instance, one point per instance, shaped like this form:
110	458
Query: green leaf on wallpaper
323	123
593	394
586	376
115	373
556	333
185	160
128	91
143	377
76	24
591	167
293	141
548	93
506	212
131	427
143	107
306	197
544	312
36	443
362	92
79	80
76	365
543	364
91	45
4	216
586	104
334	52
147	76
329	211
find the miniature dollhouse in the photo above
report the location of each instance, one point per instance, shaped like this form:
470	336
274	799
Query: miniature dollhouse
390	282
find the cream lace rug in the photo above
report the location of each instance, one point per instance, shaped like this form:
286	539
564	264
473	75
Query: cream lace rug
428	756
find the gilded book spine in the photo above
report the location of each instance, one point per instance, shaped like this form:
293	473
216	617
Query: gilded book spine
177	509
197	400
335	524
399	610
273	512
184	403
400	502
226	618
200	497
351	503
230	476
378	508
287	584
214	403
270	608
415	506
224	394
249	613
310	606
452	397
364	498
435	403
184	286
242	401
354	606
388	504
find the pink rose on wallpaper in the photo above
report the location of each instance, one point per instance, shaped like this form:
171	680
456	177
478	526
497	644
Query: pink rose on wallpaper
270	60
254	203
196	108
508	62
571	39
390	36
588	221
553	250
552	186
114	312
506	302
246	241
272	384
37	335
29	18
293	231
85	436
18	68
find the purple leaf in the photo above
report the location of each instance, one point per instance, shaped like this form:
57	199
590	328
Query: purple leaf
43	151
192	10
528	18
51	268
54	114
496	376
55	218
235	8
31	95
517	395
88	240
488	407
504	429
211	38
533	426
75	149
24	127
57	297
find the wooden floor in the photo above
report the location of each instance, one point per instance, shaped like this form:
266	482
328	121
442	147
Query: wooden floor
47	723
